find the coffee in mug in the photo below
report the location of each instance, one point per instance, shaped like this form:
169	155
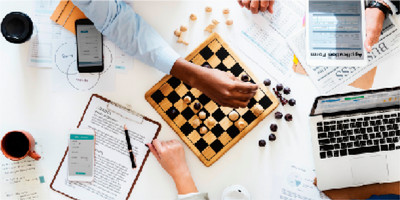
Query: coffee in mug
16	145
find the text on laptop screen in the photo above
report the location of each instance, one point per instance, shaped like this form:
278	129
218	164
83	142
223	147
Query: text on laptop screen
335	30
373	99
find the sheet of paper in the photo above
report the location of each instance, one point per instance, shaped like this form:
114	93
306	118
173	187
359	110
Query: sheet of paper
331	79
48	39
46	32
22	179
67	78
264	40
297	183
113	173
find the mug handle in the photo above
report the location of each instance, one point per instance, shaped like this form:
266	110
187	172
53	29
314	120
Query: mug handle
34	155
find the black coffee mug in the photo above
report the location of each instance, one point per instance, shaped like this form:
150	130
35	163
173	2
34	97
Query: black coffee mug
17	27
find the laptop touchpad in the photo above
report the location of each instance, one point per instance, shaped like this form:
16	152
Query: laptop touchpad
369	169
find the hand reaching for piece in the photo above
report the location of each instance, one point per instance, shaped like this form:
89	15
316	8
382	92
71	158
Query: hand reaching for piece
222	87
256	6
171	156
225	89
374	21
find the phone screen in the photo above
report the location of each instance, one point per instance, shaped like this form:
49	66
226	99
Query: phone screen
90	49
81	155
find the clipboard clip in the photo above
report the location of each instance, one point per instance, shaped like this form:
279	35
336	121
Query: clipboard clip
137	117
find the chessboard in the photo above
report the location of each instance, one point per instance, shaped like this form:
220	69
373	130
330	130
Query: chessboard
207	128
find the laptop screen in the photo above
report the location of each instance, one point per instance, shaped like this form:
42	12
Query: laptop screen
357	101
336	30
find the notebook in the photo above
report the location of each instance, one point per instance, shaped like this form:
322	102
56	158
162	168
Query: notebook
66	14
114	177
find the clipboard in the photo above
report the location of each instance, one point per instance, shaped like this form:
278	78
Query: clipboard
144	118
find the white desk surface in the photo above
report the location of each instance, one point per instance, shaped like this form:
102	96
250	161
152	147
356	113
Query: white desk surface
27	102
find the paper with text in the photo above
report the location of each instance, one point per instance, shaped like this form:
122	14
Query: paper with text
23	179
46	32
113	173
264	39
330	80
297	183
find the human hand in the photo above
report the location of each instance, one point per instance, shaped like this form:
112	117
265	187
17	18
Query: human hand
171	156
225	89
374	21
256	6
222	87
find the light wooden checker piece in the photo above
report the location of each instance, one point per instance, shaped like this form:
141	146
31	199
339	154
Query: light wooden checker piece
169	93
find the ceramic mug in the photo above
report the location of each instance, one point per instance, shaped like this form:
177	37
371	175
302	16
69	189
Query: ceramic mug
16	145
17	27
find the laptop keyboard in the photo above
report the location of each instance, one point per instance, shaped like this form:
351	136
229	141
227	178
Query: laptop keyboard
358	135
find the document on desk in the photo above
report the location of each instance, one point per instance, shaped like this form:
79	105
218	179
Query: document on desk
114	177
264	40
22	179
297	183
67	78
331	79
46	33
50	38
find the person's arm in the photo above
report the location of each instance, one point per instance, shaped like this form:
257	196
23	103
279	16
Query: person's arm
171	156
374	21
119	23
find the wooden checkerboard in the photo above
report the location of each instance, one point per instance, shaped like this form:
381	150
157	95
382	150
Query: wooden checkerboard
169	92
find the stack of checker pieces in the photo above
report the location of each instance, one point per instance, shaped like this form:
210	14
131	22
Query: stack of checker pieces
169	93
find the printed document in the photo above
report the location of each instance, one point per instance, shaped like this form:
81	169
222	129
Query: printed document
23	179
330	80
113	173
264	40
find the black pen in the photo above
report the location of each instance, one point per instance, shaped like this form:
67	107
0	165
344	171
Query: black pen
128	141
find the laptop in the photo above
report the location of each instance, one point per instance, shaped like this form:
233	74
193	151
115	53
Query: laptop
356	138
335	33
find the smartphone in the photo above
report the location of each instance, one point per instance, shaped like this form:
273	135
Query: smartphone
89	44
81	155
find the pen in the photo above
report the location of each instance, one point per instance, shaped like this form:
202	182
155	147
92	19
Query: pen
128	141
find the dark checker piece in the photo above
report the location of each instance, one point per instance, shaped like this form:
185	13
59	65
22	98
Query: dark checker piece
167	97
172	112
245	78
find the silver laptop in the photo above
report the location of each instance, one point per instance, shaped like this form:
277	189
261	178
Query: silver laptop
356	138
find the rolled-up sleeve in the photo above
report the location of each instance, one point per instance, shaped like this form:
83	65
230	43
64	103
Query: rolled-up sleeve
117	21
194	196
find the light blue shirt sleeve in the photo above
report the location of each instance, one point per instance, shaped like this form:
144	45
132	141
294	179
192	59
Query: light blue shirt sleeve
120	24
194	196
